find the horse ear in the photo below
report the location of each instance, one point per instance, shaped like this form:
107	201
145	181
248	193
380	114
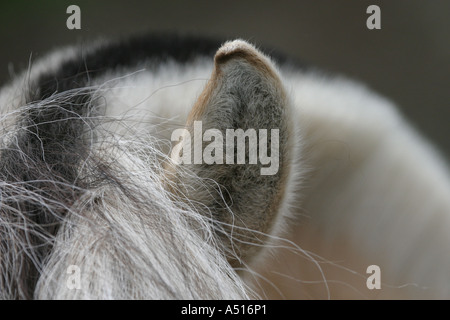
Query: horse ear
236	141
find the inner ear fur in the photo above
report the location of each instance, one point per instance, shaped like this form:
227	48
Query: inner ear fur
243	92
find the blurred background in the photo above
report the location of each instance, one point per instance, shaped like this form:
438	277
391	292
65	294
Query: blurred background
408	60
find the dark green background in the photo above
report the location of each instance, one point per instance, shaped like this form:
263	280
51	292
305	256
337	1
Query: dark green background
408	60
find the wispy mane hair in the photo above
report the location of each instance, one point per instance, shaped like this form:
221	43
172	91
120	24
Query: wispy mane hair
75	194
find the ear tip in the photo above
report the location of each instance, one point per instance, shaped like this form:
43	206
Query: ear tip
236	45
235	48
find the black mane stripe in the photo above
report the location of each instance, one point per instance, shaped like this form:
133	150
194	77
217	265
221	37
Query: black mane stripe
128	52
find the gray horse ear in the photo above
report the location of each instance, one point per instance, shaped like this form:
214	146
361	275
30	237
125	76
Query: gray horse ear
236	140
